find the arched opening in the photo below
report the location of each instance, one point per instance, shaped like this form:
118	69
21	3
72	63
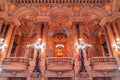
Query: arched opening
16	42
60	45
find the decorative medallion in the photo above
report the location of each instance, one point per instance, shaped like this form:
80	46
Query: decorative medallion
12	6
43	8
76	8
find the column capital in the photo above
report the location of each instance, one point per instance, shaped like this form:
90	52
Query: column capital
12	25
105	20
108	24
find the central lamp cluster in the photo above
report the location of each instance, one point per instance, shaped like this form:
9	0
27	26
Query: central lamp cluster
37	45
81	45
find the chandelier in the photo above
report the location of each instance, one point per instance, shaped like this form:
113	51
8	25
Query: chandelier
59	46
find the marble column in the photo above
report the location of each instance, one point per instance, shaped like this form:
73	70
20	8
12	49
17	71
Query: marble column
75	27
109	38
1	24
38	29
8	39
118	26
11	42
81	29
115	30
74	33
3	35
44	35
18	50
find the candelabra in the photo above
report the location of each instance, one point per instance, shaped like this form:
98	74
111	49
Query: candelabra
2	45
36	72
117	45
81	46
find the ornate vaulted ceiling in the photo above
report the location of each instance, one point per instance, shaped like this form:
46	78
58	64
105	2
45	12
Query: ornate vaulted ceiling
60	14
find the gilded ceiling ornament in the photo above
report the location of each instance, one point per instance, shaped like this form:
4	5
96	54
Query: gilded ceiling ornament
60	17
76	8
12	6
43	8
107	6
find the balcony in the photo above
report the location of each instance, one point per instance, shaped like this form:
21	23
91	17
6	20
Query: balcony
104	63
59	64
15	64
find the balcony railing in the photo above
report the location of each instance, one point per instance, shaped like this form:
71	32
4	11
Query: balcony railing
15	63
61	1
59	63
104	63
59	60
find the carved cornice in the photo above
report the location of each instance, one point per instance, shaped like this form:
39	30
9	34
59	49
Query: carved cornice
42	7
60	1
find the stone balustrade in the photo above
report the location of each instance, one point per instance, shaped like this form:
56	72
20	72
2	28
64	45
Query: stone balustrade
15	63
60	63
104	63
59	60
23	60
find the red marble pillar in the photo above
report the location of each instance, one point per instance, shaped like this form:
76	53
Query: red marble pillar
109	38
8	38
